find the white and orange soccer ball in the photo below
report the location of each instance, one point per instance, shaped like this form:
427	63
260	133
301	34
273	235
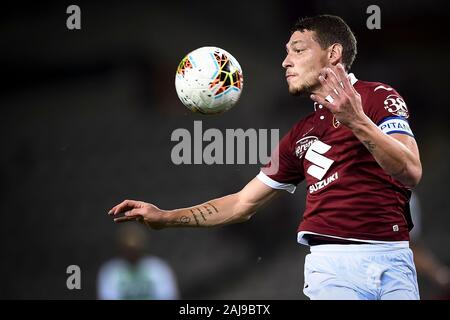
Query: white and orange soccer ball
209	80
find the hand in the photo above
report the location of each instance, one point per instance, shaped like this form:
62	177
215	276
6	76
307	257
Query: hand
145	213
343	100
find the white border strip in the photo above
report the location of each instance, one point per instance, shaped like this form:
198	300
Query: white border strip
275	184
301	239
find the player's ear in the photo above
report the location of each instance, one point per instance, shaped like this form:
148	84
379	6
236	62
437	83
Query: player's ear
335	53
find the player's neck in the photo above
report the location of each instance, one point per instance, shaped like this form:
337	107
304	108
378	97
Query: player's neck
320	91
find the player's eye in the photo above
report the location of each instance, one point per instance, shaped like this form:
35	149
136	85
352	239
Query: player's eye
298	50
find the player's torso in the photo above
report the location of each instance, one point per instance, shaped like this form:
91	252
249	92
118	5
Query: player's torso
344	183
329	153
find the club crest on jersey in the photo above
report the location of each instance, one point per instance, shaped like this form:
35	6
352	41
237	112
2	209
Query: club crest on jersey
302	145
336	122
396	105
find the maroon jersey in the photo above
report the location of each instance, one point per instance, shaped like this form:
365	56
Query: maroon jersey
349	195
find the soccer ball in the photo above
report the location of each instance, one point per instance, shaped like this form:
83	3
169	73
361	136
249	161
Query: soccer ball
209	80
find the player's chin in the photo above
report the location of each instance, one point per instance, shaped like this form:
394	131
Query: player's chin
297	90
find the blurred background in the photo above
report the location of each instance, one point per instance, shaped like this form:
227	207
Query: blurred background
87	116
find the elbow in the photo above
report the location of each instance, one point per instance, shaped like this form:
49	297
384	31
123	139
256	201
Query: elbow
243	210
409	176
413	177
416	177
245	216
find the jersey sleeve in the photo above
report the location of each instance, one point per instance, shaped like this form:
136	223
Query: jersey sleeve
284	171
388	111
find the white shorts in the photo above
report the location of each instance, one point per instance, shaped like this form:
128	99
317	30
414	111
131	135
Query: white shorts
360	272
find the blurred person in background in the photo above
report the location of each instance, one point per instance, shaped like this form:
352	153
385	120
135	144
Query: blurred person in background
427	263
135	274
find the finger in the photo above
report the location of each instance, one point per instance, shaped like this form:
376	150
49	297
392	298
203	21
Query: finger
343	77
134	212
323	102
326	84
124	206
334	81
114	209
127	219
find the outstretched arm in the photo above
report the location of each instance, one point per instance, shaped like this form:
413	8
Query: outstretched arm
233	208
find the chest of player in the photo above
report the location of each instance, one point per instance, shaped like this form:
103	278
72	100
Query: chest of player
325	145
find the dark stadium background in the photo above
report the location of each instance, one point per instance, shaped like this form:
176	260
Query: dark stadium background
86	119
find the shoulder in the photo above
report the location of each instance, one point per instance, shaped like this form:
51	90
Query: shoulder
114	263
370	88
378	96
154	263
301	125
112	266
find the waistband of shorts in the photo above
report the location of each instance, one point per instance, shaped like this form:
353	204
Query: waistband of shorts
360	248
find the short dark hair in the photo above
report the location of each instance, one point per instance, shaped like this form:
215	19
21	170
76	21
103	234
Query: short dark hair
329	30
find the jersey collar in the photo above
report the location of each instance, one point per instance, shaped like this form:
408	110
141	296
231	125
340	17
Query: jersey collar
352	78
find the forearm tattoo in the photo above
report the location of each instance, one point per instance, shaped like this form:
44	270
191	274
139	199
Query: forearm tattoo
185	220
208	209
201	213
195	217
204	211
369	145
217	211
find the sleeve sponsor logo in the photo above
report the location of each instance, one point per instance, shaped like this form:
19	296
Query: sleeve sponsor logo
395	125
396	105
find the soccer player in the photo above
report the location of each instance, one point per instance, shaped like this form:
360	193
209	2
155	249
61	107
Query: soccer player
360	160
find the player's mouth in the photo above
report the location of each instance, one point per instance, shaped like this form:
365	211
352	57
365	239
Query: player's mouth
290	76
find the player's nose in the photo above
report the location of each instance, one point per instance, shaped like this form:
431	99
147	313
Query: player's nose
286	62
